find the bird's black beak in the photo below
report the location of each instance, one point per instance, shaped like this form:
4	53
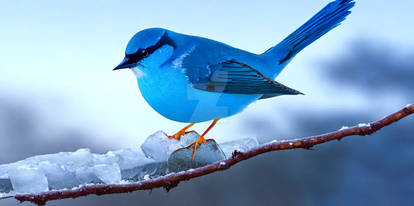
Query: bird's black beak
126	63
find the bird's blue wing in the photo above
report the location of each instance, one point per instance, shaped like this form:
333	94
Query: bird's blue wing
236	78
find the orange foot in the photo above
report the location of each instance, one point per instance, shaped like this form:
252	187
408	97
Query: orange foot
182	132
201	139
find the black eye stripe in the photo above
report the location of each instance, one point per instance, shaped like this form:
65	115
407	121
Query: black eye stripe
142	53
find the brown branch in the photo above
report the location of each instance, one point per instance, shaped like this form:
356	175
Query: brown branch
172	180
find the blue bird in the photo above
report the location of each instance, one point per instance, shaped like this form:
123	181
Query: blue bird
193	79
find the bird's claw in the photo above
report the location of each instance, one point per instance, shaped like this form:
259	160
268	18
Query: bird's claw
178	135
182	132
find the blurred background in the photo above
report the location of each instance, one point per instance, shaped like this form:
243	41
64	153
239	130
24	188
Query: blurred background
58	93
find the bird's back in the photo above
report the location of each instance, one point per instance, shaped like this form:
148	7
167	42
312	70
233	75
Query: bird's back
201	52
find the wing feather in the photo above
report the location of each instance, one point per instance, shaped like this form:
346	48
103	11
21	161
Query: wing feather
238	78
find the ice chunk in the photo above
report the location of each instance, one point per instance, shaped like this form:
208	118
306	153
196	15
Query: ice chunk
130	158
125	158
189	138
159	147
151	170
109	174
5	185
58	176
240	145
108	158
3	171
206	153
86	175
71	160
78	158
25	179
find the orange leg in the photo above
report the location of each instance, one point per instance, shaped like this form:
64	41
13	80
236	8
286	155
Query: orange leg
201	139
181	132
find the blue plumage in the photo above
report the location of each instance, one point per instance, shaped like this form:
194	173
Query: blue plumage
194	79
324	21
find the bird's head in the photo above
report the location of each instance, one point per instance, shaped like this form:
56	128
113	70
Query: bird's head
147	47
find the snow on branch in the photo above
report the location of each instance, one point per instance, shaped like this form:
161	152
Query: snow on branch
171	180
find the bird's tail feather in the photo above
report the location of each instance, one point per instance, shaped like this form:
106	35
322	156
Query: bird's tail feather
324	21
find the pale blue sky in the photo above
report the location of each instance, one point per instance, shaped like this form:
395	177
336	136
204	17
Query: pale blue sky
59	55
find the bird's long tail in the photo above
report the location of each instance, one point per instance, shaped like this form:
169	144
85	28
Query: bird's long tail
324	21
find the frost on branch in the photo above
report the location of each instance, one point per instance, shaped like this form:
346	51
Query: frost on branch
158	156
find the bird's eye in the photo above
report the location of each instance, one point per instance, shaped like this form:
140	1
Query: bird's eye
144	53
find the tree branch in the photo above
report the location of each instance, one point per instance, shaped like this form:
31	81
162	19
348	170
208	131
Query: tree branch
172	180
